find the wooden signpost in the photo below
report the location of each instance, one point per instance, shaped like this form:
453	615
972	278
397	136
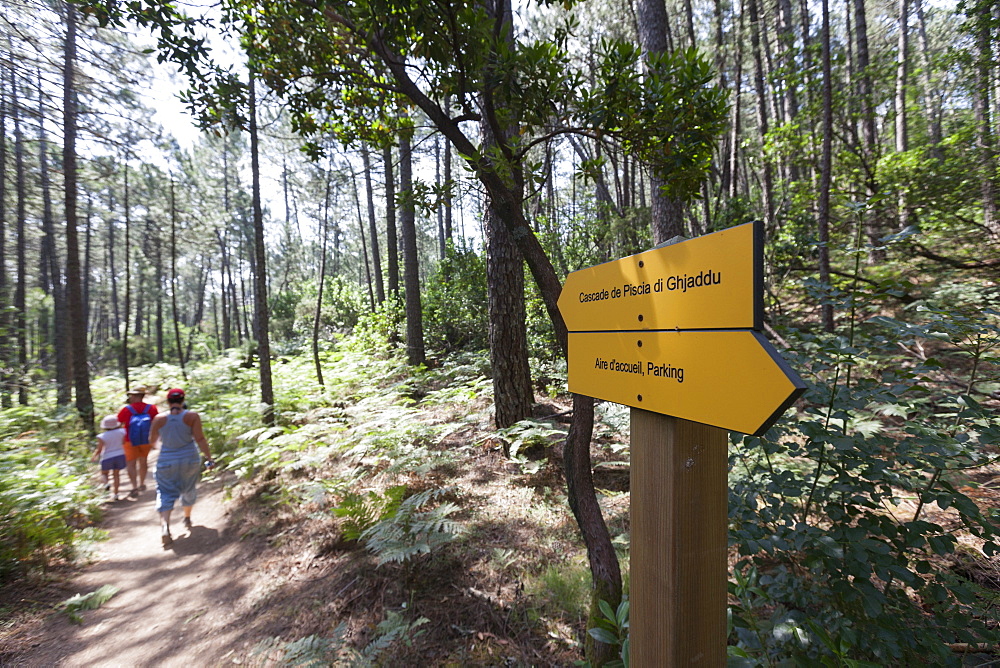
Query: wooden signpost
674	333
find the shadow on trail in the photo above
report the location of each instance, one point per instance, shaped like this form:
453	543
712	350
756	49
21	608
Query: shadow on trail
199	540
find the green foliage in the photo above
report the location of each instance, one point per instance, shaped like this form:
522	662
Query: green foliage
379	332
454	302
828	506
670	115
563	588
44	496
360	511
74	605
411	531
316	651
524	434
613	629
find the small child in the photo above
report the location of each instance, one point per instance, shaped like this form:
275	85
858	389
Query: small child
111	451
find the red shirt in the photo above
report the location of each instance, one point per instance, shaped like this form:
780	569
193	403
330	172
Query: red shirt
124	415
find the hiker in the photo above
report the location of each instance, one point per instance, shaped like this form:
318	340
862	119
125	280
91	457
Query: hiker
110	451
136	418
179	436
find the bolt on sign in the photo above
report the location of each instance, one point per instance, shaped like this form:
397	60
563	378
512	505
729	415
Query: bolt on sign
676	330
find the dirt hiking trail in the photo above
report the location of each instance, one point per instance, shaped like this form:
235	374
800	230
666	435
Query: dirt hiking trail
175	607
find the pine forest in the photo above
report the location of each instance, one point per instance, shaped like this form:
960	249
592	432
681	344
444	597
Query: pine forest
343	229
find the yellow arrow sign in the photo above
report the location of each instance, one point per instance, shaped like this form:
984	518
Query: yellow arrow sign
709	282
734	380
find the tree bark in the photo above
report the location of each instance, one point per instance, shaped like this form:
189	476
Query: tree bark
667	212
984	134
826	168
260	267
64	380
320	283
6	352
391	234
372	227
762	116
415	353
902	71
173	280
366	265
512	393
20	288
74	294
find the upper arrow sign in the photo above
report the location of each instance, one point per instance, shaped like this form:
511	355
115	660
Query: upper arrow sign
709	282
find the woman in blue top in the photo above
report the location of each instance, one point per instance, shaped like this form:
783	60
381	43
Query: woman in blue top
178	434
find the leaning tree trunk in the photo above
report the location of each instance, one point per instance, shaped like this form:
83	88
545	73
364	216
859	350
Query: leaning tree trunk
260	272
607	583
74	293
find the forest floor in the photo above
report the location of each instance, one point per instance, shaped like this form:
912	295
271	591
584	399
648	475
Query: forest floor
174	607
257	572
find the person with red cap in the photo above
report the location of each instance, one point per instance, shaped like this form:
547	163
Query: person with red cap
178	433
136	418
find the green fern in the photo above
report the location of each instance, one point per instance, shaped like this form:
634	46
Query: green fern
410	532
317	652
74	605
361	511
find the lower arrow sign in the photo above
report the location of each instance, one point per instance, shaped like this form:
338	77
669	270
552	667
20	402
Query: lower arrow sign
730	379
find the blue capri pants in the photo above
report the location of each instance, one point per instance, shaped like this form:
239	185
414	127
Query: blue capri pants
177	477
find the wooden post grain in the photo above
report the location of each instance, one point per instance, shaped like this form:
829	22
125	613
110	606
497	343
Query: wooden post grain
678	569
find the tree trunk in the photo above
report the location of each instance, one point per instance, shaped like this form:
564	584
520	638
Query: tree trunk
6	353
874	228
364	246
64	380
372	227
826	168
20	289
415	354
762	116
603	561
173	280
260	271
74	294
391	235
512	394
984	134
667	212
902	71
128	280
321	279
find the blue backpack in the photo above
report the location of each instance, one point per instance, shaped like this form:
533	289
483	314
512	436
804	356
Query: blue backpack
138	426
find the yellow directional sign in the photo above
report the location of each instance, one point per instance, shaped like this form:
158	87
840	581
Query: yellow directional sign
709	282
729	379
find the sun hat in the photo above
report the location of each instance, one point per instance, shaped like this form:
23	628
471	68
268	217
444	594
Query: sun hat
110	422
175	395
137	389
